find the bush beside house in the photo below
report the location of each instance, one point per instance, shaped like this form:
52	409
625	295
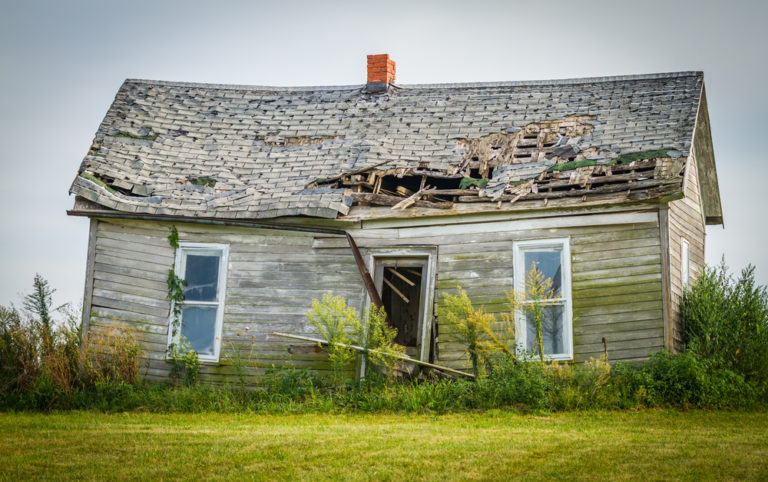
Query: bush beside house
45	367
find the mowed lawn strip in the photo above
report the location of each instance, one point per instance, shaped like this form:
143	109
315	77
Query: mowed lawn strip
648	445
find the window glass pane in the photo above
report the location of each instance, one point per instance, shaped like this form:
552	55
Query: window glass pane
686	267
551	331
198	326
548	262
202	277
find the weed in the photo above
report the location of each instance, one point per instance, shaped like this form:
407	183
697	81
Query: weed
185	363
467	182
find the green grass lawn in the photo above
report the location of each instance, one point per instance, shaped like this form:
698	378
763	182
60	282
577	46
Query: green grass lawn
493	445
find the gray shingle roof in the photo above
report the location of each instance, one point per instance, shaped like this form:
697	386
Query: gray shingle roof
250	152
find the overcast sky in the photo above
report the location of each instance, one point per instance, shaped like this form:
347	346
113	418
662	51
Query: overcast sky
62	63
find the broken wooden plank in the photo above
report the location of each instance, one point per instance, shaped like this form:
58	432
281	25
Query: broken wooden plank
357	171
436	174
595	180
397	291
399	275
410	200
454	192
403	191
640	185
382	199
391	355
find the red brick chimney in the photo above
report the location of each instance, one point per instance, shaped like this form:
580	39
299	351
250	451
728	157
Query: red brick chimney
381	70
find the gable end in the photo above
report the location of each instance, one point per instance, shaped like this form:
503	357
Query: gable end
705	159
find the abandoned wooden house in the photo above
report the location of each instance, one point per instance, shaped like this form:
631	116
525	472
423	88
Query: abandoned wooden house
605	183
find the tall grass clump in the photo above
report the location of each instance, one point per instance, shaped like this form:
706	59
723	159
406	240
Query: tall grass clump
46	364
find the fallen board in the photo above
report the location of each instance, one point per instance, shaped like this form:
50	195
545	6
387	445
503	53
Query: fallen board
361	349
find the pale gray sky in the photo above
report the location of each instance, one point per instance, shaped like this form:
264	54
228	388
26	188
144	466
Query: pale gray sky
61	64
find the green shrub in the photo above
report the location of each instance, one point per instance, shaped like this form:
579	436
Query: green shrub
514	383
727	389
107	396
676	380
629	383
45	394
580	386
725	323
679	380
292	383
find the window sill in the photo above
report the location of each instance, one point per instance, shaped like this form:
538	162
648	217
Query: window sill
202	362
548	358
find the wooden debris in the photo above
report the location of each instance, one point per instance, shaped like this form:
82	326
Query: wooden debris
358	171
389	200
404	191
391	355
393	187
412	199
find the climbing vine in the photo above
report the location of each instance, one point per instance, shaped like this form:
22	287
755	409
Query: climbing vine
186	363
173	238
176	286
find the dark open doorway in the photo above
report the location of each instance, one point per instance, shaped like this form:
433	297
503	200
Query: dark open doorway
405	280
401	293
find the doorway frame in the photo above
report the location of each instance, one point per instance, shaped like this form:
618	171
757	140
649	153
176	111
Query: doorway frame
410	253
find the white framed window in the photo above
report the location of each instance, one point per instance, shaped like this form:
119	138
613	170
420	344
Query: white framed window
685	261
552	257
204	268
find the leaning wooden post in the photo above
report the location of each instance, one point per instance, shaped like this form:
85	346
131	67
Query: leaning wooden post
369	286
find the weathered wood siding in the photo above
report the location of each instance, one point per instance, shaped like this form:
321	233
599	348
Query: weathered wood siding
273	276
616	277
271	279
686	220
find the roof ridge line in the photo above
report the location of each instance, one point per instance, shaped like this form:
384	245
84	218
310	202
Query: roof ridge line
569	81
243	86
459	85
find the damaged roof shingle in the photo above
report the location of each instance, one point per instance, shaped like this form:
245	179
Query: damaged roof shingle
255	152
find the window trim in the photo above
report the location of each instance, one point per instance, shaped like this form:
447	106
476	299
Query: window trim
519	247
179	265
685	262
